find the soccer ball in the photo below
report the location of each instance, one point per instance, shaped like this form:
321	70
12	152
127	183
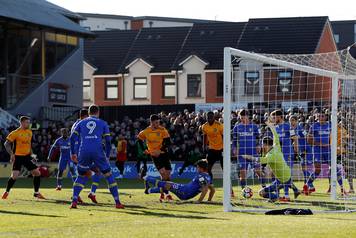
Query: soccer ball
247	192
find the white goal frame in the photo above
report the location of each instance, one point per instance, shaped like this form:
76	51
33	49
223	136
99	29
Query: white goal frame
228	71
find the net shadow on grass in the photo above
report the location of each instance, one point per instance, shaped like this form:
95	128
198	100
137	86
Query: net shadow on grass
314	205
168	215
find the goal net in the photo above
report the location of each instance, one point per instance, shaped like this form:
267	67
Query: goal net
309	101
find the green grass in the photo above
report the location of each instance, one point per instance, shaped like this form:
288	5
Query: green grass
144	216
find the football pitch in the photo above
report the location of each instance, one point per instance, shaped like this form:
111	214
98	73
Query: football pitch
145	216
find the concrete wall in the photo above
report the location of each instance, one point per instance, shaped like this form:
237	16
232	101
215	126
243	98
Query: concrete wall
70	73
88	72
192	66
102	24
146	23
137	70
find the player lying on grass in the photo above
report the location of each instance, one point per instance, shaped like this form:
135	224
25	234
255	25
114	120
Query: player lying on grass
274	159
201	184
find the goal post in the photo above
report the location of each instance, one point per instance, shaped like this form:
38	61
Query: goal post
227	127
253	81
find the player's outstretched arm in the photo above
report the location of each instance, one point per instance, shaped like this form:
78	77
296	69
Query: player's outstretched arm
204	191
211	193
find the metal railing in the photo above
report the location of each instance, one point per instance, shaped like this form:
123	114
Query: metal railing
59	114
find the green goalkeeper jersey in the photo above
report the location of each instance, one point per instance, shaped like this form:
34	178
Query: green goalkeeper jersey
274	159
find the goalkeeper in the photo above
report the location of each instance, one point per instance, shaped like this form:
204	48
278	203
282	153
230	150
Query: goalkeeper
274	159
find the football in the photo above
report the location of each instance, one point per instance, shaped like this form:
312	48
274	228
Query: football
247	192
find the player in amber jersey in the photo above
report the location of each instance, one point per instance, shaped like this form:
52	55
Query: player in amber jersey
213	138
157	139
21	139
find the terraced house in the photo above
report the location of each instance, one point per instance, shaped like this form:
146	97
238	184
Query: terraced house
184	65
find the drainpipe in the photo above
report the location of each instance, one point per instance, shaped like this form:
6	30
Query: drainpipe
123	89
177	87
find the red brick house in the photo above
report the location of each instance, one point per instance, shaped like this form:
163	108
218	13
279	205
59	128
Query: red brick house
184	65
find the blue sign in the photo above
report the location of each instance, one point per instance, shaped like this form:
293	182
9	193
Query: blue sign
130	170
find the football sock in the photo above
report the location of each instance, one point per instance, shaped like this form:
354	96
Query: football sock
151	180
95	183
73	172
295	189
36	183
59	178
161	184
286	190
113	188
339	176
10	184
243	183
154	190
78	186
311	179
306	174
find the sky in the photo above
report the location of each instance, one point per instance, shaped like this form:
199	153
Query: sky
224	10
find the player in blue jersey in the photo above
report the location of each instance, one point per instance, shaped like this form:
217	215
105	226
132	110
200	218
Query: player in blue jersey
301	146
95	174
319	136
201	184
63	144
246	147
286	136
91	132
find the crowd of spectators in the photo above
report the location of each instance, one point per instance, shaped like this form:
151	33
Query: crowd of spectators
183	128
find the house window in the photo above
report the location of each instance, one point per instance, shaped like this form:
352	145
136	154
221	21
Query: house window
194	85
112	89
169	87
337	38
285	82
86	89
252	83
220	84
126	25
355	33
140	88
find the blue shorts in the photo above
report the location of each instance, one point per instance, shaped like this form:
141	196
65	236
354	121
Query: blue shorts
244	163
275	185
64	162
322	155
182	191
88	161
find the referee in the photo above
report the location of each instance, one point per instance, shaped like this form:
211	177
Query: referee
21	139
